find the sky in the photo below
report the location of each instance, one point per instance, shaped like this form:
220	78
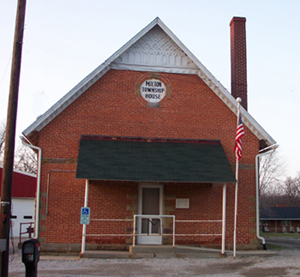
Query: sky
65	40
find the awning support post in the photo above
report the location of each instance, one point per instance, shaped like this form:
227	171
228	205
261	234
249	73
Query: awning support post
224	219
84	225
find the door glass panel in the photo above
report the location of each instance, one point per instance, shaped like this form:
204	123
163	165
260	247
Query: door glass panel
155	226
145	226
150	205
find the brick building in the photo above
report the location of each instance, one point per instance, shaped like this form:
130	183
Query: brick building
146	142
280	219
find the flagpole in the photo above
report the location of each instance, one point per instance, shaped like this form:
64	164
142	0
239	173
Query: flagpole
235	206
238	100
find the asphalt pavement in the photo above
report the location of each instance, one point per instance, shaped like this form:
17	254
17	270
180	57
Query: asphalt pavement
285	263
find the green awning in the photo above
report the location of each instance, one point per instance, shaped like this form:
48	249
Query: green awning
153	160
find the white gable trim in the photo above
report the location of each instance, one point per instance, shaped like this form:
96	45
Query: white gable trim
155	69
156	51
200	70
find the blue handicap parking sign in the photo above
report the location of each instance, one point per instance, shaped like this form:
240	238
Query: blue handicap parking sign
85	215
85	211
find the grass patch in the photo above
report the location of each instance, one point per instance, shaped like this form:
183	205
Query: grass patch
284	235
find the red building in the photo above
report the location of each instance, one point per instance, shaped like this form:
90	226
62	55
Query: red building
146	142
23	200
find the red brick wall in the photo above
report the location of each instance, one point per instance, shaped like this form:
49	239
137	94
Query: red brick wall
111	107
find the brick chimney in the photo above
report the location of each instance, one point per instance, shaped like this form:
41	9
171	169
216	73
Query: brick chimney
238	59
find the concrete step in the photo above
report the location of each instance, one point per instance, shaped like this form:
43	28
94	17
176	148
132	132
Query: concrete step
170	249
152	249
100	254
103	254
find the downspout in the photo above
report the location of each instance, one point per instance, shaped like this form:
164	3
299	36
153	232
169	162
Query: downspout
269	150
37	209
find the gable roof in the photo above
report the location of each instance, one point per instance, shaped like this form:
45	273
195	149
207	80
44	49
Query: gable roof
280	213
155	48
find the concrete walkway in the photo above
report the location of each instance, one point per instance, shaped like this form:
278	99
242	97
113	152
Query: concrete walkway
148	251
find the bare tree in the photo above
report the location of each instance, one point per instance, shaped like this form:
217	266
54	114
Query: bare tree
291	189
271	171
2	141
273	197
285	194
25	160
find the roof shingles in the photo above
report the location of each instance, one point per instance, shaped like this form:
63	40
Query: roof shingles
201	162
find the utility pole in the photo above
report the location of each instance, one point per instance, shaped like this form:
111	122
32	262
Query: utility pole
5	212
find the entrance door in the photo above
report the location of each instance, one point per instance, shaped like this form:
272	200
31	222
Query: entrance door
150	203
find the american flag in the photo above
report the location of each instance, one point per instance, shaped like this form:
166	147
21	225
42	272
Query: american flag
238	142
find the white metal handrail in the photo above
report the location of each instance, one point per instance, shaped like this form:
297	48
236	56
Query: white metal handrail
191	220
198	221
152	216
135	234
111	220
104	219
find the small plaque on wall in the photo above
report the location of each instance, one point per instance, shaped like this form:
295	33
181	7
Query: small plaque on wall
182	203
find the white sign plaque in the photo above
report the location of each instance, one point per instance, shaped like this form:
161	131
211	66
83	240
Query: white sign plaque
182	203
153	90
